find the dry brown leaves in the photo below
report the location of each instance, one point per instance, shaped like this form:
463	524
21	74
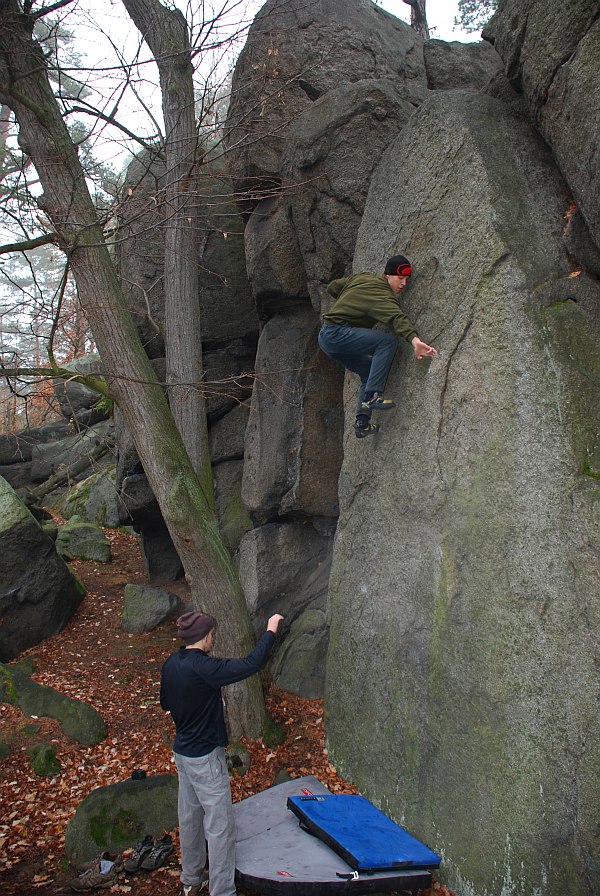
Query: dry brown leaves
118	673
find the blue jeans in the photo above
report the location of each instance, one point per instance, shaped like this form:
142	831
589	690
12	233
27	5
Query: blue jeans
369	353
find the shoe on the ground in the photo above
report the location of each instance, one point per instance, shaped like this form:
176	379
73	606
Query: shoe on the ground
196	889
140	851
363	430
102	872
94	862
378	403
157	854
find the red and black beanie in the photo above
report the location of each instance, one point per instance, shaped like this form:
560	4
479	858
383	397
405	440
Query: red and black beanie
398	266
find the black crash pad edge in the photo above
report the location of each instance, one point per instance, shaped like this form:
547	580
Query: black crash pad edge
411	880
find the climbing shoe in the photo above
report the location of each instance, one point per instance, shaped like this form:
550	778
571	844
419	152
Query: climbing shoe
157	854
363	430
378	403
102	872
140	851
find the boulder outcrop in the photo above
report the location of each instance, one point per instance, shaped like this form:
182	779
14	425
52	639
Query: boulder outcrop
467	527
38	594
550	52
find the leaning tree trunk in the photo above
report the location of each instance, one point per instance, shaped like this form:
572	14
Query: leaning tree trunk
43	135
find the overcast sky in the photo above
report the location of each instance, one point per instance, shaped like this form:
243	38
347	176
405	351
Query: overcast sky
103	25
440	18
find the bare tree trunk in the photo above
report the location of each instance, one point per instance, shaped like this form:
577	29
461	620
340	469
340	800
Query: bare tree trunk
166	33
43	135
418	17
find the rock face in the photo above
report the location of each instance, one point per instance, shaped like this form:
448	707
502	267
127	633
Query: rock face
276	79
558	76
475	544
463	584
38	594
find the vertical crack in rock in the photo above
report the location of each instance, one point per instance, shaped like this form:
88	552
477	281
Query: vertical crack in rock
444	389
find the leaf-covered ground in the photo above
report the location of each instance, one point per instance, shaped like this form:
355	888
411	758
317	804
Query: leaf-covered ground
118	673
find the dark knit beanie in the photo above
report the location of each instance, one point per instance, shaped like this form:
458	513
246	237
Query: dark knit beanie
192	627
398	266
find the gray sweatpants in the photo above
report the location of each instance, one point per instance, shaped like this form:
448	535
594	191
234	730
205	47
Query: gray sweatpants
205	811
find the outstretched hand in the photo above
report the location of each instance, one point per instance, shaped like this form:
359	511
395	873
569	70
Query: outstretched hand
273	623
422	350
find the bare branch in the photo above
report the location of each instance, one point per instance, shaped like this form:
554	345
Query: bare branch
45	10
42	240
113	121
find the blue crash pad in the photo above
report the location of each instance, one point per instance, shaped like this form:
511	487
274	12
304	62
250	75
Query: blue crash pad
358	832
275	856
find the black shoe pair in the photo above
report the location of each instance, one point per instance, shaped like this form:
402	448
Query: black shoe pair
149	854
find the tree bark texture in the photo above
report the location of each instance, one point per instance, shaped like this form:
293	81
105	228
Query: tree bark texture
166	33
43	135
418	17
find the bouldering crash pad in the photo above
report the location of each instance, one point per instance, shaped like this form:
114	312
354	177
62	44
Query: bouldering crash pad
278	857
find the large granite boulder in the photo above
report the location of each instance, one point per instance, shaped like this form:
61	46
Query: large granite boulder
551	54
295	53
38	594
464	589
293	450
331	151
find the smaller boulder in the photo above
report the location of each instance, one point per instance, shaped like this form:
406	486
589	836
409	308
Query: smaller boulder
76	400
43	760
116	817
238	760
93	500
82	541
78	720
144	608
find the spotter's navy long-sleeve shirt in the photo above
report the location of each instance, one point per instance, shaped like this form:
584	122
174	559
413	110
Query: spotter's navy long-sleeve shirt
190	689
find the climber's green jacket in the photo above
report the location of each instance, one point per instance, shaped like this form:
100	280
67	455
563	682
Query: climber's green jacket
364	300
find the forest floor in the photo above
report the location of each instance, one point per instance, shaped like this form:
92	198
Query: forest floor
94	660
